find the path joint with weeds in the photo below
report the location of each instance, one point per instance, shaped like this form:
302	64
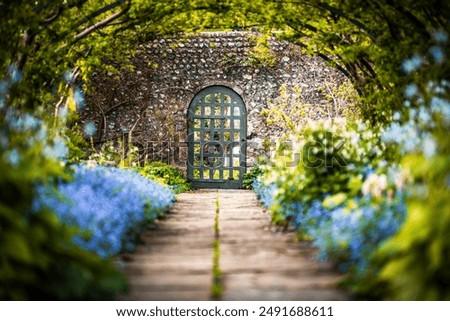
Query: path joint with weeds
217	287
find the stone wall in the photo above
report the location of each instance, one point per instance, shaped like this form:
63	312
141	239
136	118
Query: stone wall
151	100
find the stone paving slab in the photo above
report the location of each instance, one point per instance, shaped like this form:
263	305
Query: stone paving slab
174	261
261	264
258	261
255	294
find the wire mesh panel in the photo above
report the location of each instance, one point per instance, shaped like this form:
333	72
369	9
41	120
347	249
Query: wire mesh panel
217	139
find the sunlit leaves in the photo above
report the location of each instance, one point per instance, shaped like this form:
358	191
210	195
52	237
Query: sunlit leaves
368	40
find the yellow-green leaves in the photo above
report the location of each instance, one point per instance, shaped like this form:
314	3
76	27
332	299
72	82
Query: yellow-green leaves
333	201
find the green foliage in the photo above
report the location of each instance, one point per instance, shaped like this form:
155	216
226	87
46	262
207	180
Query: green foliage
109	153
48	40
216	218
120	153
289	114
367	45
76	143
39	261
329	157
261	55
166	174
335	188
415	262
366	40
38	258
251	175
412	91
43	50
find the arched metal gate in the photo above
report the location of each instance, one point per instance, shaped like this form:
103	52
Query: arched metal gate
217	139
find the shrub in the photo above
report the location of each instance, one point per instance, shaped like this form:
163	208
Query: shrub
110	206
166	174
346	230
251	175
337	192
414	264
330	157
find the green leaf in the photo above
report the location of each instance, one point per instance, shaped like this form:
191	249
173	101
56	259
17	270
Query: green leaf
334	200
16	246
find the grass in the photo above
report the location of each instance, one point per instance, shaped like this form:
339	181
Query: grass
217	287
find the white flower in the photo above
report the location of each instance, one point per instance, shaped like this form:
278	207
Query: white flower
403	177
91	163
374	185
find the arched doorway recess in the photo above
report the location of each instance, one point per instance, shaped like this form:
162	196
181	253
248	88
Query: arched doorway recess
217	134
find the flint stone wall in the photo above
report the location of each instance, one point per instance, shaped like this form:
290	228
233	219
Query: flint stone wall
151	101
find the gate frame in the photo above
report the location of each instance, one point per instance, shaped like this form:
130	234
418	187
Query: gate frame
224	183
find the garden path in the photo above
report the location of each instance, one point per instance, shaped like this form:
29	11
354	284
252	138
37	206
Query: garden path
257	260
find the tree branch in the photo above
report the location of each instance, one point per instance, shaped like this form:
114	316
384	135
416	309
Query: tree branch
98	12
27	40
53	17
100	24
411	17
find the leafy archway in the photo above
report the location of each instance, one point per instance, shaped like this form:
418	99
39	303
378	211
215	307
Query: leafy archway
367	40
395	53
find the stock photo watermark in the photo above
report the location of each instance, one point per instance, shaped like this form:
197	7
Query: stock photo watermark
327	152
